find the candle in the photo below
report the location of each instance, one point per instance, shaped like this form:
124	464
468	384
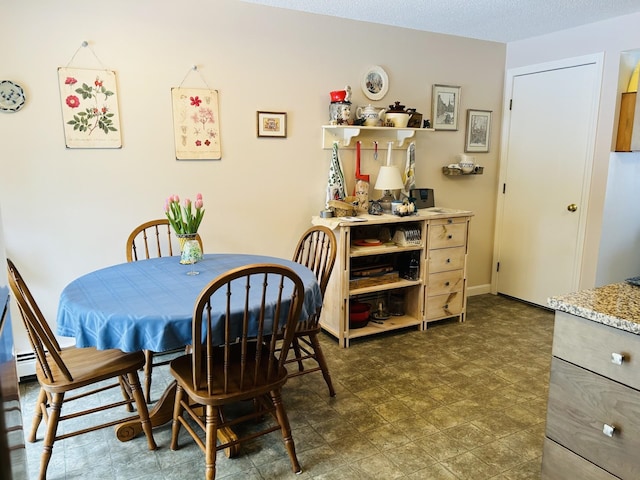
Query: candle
389	154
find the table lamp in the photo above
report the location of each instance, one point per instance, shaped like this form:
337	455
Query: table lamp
388	179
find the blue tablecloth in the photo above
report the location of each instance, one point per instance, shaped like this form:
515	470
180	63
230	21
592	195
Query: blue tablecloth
148	304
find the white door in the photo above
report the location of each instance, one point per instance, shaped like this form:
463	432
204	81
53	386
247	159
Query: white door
545	167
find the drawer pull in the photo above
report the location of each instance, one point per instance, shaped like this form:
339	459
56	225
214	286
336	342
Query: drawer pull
449	237
608	430
617	358
448	260
446	284
449	220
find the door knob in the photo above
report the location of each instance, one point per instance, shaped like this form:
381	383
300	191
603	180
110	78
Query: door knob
572	208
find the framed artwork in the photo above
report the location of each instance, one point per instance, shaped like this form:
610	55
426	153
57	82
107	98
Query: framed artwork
375	83
444	108
272	124
90	114
478	131
196	124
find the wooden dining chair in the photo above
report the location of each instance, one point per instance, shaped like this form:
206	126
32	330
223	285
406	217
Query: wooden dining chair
151	240
238	309
71	371
316	250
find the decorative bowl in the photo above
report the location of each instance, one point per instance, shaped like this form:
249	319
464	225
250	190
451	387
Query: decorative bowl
359	314
397	120
466	167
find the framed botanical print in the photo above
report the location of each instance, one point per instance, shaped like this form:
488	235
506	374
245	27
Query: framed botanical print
90	111
196	124
478	131
445	105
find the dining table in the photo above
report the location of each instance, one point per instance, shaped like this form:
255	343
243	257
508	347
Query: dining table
148	305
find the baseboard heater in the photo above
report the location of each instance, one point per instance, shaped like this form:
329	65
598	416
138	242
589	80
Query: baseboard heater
26	365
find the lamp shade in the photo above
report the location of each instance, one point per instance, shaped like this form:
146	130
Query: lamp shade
389	179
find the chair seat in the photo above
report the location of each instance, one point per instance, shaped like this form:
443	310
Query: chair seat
181	369
88	366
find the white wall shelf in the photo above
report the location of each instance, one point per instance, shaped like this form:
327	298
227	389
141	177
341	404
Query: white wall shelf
345	135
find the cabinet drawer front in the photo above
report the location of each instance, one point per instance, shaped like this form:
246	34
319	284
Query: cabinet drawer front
591	345
558	463
580	404
446	282
446	259
448	235
447	221
443	306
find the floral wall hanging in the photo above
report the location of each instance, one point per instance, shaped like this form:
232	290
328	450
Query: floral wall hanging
90	113
196	124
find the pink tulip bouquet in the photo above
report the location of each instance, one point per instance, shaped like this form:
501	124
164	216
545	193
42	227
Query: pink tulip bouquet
183	219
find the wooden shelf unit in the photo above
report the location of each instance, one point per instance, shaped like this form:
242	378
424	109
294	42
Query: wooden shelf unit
438	293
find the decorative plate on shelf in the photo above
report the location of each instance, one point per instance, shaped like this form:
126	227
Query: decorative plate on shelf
11	96
375	83
368	242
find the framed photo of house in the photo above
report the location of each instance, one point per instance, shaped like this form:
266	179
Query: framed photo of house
478	131
272	124
445	105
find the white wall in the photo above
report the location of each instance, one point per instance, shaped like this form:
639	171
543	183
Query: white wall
68	212
621	233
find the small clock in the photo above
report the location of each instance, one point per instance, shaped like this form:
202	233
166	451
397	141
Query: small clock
11	96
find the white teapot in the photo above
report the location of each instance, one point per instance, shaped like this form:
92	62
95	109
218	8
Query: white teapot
371	115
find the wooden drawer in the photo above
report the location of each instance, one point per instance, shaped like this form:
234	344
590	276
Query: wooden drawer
443	306
558	463
591	345
446	259
580	404
445	282
447	235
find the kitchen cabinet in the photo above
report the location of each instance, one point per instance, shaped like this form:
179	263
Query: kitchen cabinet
593	411
628	138
435	237
345	134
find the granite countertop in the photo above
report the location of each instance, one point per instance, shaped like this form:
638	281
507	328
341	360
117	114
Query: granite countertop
616	305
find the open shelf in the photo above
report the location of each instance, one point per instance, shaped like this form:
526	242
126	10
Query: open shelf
344	135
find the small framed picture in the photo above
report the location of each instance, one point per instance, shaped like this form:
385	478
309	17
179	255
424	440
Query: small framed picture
444	109
272	124
478	131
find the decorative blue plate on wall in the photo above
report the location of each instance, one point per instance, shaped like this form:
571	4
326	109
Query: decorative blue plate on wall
11	96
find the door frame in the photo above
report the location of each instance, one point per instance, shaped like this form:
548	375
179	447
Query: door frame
598	60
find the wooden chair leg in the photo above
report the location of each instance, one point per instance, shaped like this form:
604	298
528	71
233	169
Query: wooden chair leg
177	413
211	438
322	362
285	428
41	404
141	406
126	392
148	368
296	349
50	435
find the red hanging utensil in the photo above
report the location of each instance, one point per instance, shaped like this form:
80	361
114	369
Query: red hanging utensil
361	189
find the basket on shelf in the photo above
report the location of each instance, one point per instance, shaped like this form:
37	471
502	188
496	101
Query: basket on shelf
344	208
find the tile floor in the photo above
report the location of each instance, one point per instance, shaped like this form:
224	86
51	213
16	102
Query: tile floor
459	401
